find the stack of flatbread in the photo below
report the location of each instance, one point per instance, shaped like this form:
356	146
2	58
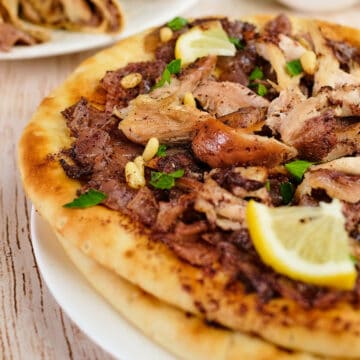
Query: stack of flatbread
186	308
25	21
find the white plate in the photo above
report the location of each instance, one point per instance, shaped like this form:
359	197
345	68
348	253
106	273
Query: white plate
83	304
139	15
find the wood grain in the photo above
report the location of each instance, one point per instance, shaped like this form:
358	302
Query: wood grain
32	326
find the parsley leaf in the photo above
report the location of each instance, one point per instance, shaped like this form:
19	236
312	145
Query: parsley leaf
173	67
267	185
298	168
161	150
90	198
256	74
294	67
262	90
287	192
237	42
177	23
161	180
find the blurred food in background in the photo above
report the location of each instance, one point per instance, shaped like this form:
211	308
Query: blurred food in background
319	5
26	21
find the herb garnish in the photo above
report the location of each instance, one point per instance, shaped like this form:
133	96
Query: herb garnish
173	67
90	198
161	150
177	23
261	90
294	67
268	185
256	74
287	192
237	42
298	168
161	180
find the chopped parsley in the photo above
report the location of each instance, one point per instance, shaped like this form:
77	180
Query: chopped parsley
90	198
256	74
267	185
294	67
261	90
173	67
161	180
237	42
287	192
177	23
161	151
298	168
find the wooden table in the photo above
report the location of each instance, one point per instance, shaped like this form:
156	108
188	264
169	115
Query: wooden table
32	325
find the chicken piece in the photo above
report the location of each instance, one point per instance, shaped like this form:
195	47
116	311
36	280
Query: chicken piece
219	145
329	72
222	98
272	53
166	119
162	114
248	117
291	48
311	125
280	106
220	206
339	178
347	142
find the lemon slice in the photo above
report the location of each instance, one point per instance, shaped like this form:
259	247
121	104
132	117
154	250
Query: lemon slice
304	243
207	39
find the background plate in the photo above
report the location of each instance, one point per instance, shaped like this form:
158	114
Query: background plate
139	15
83	304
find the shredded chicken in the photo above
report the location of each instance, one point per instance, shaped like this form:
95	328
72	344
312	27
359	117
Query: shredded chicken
281	106
329	72
272	53
219	145
222	98
291	48
162	114
220	206
339	178
311	125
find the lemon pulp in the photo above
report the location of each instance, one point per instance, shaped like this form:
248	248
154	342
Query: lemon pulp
208	39
305	243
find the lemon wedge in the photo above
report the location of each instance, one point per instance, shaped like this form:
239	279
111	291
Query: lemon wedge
207	39
305	243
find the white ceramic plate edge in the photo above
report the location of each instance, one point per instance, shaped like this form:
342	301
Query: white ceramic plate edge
65	42
91	312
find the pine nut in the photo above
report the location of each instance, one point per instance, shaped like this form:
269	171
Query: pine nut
166	34
189	100
151	149
308	62
133	176
139	162
131	80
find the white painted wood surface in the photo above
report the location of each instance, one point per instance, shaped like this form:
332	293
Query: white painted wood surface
32	326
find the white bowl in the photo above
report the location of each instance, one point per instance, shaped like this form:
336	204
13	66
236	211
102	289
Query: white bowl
318	5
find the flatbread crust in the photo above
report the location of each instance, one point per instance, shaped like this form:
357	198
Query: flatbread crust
123	247
186	336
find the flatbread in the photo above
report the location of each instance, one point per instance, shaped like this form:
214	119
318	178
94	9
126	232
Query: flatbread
122	246
186	336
